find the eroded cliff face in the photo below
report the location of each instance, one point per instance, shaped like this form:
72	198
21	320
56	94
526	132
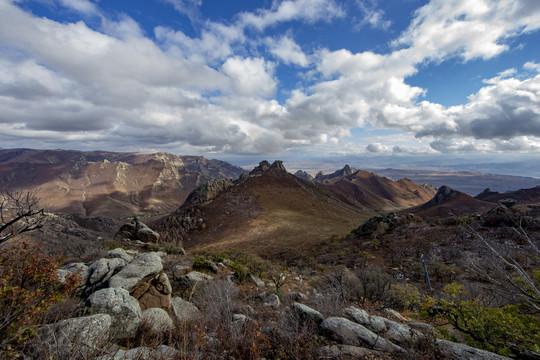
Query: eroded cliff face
111	184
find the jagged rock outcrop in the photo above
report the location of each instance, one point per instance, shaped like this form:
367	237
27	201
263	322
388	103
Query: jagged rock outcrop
379	225
265	166
304	175
136	230
205	193
443	195
124	310
347	170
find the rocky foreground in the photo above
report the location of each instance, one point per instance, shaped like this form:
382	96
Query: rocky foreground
133	311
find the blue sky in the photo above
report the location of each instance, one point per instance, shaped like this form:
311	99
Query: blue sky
273	79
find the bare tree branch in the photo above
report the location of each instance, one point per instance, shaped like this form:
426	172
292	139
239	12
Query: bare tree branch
19	213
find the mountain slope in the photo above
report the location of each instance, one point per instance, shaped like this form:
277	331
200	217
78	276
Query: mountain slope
269	211
522	196
107	183
378	192
450	202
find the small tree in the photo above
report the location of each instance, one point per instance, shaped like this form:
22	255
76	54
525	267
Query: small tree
19	213
29	286
278	275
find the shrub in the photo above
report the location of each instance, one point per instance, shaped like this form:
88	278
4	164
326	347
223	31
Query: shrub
240	272
503	330
29	286
372	285
403	297
200	263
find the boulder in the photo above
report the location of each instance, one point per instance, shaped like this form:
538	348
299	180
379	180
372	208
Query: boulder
391	330
83	334
272	300
184	310
190	279
348	352
73	268
457	351
347	332
306	314
120	254
157	321
100	271
164	352
153	291
141	266
147	235
122	307
139	353
255	280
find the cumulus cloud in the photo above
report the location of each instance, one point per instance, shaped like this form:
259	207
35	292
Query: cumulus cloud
213	92
287	51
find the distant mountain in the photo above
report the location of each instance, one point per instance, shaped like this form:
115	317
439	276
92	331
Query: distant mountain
271	210
378	192
522	196
107	183
471	183
450	202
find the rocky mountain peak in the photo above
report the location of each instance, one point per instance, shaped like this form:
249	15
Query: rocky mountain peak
444	194
303	175
265	166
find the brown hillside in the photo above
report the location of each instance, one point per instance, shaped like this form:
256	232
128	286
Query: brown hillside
105	183
449	202
378	192
270	211
522	196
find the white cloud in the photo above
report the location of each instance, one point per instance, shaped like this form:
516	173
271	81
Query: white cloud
82	6
468	29
373	16
287	51
213	92
252	76
304	10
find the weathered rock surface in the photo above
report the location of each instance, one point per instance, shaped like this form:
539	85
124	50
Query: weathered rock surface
348	352
121	254
83	334
156	320
122	307
184	310
190	279
347	332
102	270
153	291
272	300
141	266
305	313
79	268
140	353
464	352
379	225
147	235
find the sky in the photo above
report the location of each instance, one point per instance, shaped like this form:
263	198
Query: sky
293	79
